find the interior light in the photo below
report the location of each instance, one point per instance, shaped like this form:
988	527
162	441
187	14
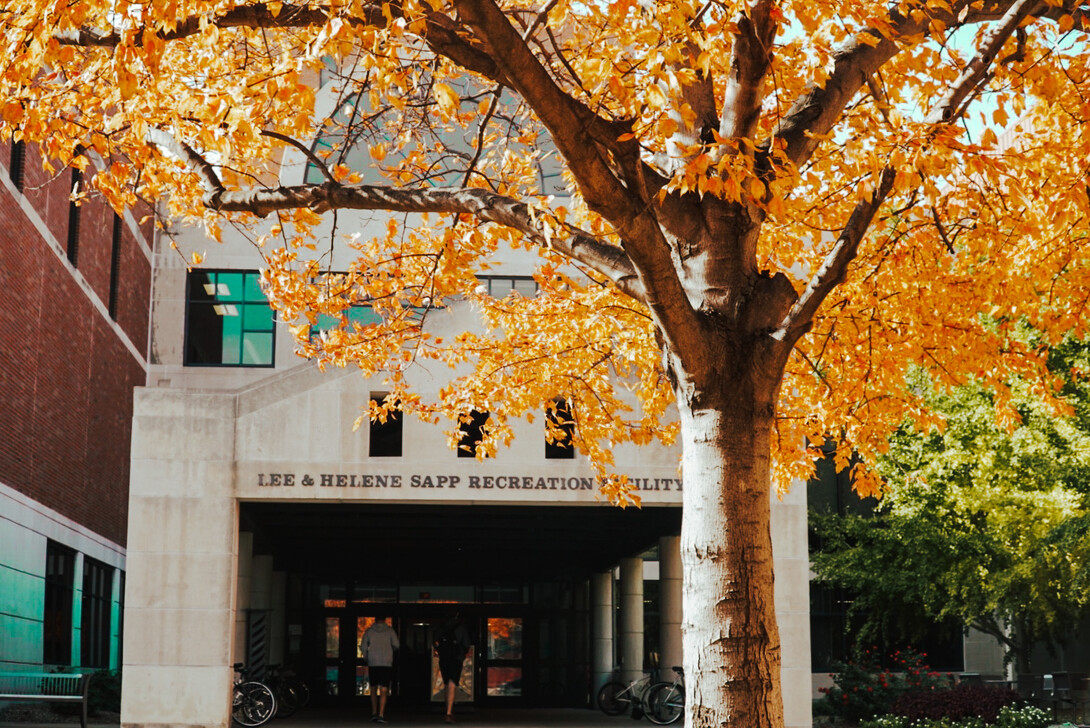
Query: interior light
222	289
209	288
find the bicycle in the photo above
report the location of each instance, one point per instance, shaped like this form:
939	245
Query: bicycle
666	701
253	703
291	692
615	698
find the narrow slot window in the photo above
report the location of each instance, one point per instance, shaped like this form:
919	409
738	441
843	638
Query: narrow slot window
73	217
385	435
115	267
471	432
559	431
17	168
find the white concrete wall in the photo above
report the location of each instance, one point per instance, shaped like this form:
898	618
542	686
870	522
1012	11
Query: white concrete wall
183	540
790	550
206	437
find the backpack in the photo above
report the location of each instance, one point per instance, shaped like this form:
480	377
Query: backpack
448	646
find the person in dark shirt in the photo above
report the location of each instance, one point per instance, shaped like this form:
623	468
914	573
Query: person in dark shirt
451	646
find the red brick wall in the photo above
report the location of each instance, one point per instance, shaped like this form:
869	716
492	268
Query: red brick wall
66	378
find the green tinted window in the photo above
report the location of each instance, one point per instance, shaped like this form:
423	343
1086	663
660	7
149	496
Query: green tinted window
228	320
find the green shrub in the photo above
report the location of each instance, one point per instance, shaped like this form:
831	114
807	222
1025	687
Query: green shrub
1009	717
863	689
1027	717
886	721
956	703
104	693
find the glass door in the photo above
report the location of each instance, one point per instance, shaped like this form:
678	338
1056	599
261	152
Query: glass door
346	679
503	657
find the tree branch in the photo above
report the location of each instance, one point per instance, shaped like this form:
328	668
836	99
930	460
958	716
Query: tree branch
835	265
815	113
539	226
204	169
568	121
751	57
314	158
586	141
442	34
247	16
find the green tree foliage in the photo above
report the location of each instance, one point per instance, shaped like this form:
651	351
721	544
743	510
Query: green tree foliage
984	522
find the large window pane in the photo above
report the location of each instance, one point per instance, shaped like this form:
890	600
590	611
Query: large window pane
57	622
95	614
257	350
332	637
504	681
228	320
505	638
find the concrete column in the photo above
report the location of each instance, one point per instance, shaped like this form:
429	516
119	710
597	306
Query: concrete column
601	617
792	562
259	616
630	621
182	560
244	585
670	653
278	621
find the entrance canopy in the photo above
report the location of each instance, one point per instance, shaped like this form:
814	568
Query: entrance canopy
465	543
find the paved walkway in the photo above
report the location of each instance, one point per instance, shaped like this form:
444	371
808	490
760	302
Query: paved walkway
486	717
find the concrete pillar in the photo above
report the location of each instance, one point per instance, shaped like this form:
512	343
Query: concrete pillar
243	594
278	622
792	562
601	617
630	620
182	559
259	617
670	653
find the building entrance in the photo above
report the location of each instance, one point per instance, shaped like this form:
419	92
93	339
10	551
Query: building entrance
492	671
519	576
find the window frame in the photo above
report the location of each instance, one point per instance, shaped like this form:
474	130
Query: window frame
242	301
383	432
560	449
471	429
58	602
96	612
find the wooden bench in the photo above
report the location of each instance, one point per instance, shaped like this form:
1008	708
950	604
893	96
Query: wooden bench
24	687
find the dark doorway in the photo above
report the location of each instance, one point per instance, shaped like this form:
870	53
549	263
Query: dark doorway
518	575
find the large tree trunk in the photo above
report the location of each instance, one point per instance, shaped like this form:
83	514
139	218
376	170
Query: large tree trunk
730	635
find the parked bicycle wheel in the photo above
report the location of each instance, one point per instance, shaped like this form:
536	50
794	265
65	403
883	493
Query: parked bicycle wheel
608	701
254	704
287	700
302	692
665	703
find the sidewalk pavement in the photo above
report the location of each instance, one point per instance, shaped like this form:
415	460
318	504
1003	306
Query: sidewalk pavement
487	717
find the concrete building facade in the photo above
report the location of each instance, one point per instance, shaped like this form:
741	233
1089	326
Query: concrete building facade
264	530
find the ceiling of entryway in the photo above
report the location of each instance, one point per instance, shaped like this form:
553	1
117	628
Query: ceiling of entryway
453	542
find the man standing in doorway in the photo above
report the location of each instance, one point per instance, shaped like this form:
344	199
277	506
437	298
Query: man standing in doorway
378	646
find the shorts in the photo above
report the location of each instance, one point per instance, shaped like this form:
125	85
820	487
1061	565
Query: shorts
380	675
450	669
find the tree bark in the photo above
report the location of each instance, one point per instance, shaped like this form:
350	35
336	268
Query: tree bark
730	636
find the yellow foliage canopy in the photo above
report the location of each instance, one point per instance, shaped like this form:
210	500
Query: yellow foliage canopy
920	168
